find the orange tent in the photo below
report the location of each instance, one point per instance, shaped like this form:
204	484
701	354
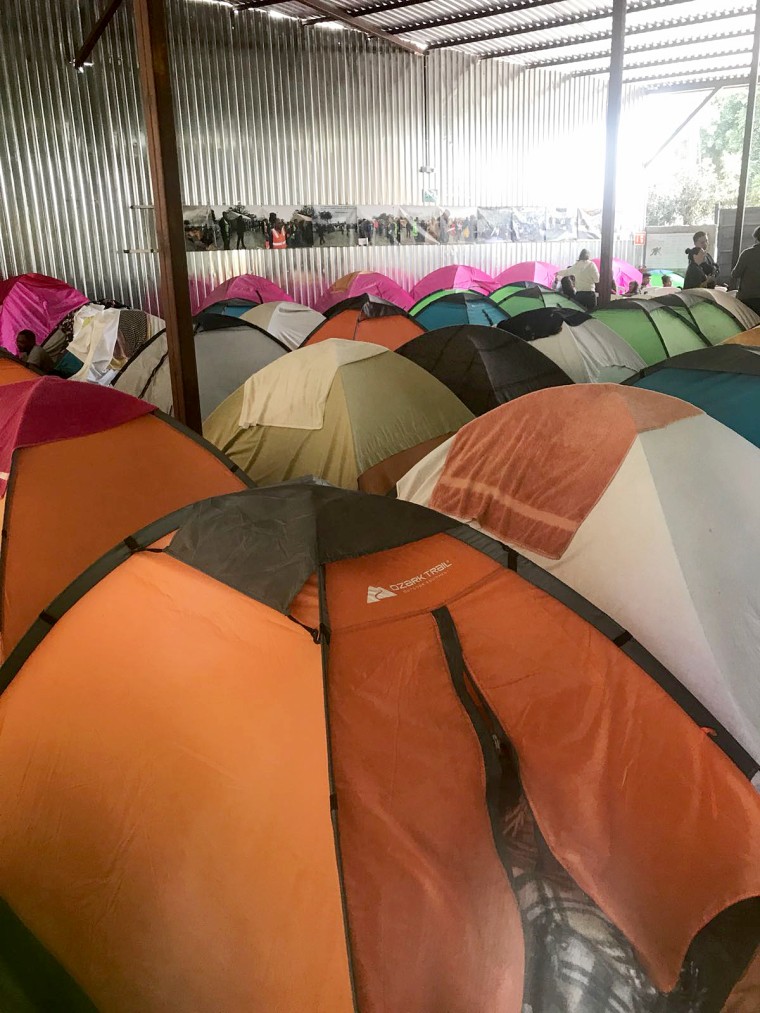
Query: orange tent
326	751
11	370
368	318
81	466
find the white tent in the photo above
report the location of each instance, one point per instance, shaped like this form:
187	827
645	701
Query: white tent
227	350
103	339
645	506
591	352
289	322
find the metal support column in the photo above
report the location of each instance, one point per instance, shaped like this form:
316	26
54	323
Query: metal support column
741	200
155	81
614	106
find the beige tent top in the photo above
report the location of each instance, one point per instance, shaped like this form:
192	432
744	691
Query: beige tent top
352	413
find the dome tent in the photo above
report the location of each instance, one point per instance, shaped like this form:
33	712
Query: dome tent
585	348
448	309
352	413
288	322
13	371
365	283
530	271
515	303
367	318
227	351
654	331
483	366
625	503
245	290
251	659
515	287
723	381
102	340
623	273
713	321
84	465
457	277
728	300
36	303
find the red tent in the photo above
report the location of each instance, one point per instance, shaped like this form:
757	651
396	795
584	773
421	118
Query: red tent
34	302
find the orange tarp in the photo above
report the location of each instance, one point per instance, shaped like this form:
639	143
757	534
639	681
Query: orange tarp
389	331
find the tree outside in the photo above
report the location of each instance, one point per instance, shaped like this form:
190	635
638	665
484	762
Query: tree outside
712	179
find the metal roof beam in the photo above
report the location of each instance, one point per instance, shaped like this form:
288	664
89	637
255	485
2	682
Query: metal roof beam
731	82
394	5
661	63
491	11
709	73
601	36
646	47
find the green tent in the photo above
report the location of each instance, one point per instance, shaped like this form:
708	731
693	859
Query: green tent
433	297
715	323
514	287
533	298
655	331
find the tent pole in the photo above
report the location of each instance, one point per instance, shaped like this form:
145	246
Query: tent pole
614	105
741	200
153	54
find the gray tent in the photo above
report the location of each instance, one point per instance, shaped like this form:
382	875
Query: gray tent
227	349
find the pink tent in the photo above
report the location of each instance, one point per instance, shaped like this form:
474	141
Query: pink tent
456	276
251	287
623	274
530	270
34	302
365	283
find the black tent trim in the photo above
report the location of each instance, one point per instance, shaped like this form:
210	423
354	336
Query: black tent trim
715	359
688	300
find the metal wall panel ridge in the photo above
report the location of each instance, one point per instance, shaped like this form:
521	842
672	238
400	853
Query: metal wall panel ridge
268	111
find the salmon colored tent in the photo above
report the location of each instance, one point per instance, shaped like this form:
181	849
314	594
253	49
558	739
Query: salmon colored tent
249	288
349	412
11	370
36	303
365	283
368	318
297	758
749	338
80	467
461	277
529	270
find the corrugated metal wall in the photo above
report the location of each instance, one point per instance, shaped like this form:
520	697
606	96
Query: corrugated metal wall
268	112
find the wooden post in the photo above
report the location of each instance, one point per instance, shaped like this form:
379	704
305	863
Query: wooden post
155	81
741	200
614	105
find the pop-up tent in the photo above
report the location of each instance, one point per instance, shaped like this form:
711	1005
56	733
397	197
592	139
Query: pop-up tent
625	502
534	298
352	413
585	348
325	751
34	302
459	277
451	309
365	283
102	340
713	321
12	371
728	300
79	466
367	318
652	330
289	322
246	290
483	366
530	271
749	338
227	352
623	273
723	381
515	287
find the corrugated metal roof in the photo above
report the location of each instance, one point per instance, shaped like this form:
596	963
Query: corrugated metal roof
557	34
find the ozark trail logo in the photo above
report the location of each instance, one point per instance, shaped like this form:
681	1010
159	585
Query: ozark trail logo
412	584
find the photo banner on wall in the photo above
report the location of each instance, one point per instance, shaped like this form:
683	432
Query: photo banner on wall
280	226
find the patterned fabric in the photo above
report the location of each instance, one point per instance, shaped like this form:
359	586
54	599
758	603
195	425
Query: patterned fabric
577	961
133	333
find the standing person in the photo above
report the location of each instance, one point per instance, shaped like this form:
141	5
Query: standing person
224	228
239	227
279	236
709	267
695	276
31	353
746	274
586	275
